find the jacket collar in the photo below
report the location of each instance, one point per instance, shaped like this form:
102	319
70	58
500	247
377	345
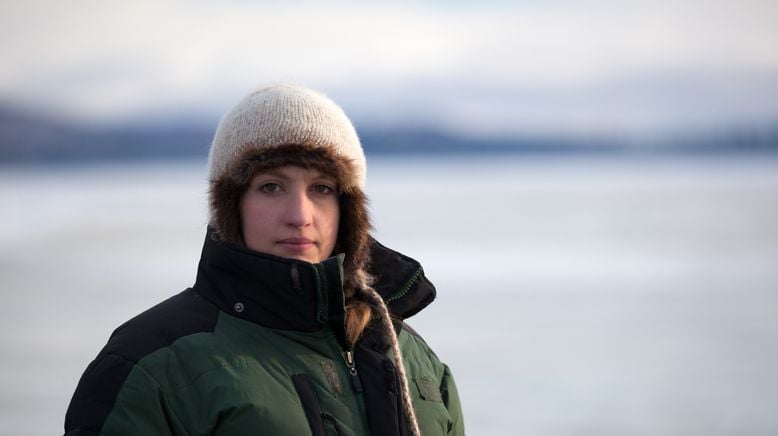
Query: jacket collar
296	295
400	281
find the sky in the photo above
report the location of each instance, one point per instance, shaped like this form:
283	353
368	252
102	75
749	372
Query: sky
477	67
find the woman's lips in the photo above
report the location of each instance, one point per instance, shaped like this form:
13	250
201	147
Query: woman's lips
296	244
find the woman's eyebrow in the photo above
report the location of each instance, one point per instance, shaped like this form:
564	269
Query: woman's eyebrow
272	173
324	178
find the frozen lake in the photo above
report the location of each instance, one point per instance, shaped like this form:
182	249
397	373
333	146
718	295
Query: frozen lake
586	296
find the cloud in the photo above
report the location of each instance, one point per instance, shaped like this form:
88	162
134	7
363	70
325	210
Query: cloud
532	65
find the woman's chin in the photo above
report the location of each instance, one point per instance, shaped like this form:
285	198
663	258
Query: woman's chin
305	252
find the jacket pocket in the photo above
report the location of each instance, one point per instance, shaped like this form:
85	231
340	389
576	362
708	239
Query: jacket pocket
431	412
310	403
429	390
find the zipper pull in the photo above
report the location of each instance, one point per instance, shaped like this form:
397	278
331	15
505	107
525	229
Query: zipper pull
348	356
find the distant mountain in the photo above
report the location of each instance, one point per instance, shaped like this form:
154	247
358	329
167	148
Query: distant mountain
27	138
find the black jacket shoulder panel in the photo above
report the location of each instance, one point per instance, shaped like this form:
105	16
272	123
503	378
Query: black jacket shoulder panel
181	315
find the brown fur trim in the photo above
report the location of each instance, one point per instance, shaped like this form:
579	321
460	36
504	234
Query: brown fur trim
226	193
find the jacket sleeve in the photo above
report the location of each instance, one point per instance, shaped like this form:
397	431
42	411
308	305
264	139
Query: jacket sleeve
118	397
448	391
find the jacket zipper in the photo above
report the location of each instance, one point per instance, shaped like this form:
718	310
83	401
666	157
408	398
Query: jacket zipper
348	357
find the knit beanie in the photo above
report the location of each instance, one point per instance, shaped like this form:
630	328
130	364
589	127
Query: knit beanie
282	125
282	115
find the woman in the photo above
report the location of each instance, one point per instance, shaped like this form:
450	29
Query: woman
294	325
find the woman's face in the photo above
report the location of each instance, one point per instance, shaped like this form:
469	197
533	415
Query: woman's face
291	212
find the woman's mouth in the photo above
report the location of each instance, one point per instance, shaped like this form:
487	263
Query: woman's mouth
296	244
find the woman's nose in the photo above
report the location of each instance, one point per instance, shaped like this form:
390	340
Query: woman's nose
299	210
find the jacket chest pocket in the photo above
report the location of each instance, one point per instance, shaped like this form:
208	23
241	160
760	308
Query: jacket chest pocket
321	423
431	411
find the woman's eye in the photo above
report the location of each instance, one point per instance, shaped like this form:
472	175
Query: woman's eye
323	189
270	187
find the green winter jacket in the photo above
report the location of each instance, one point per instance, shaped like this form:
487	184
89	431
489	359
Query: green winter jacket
256	347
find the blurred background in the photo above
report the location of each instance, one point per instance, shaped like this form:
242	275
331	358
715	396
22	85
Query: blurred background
592	186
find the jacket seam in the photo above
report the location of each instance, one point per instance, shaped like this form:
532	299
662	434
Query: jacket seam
407	287
159	385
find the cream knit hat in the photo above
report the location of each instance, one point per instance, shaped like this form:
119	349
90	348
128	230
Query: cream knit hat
284	115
